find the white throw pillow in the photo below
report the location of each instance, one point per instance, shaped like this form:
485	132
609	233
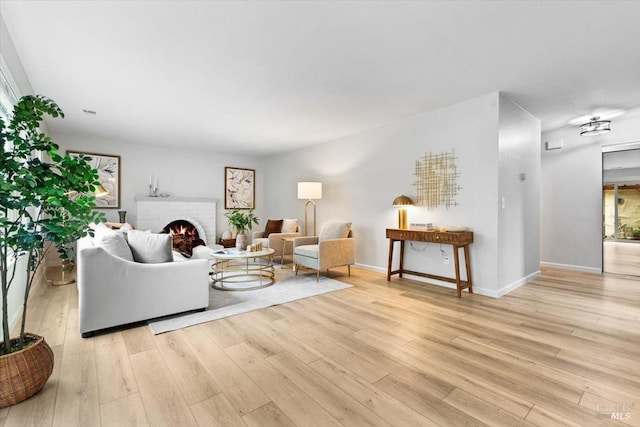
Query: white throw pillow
289	225
100	231
334	230
115	244
150	248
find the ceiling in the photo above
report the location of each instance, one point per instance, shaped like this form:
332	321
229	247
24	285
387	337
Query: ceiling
265	77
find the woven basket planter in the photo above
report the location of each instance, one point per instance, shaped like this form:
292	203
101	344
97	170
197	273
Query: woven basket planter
25	372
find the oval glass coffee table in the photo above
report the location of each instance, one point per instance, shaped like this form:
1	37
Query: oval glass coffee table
235	270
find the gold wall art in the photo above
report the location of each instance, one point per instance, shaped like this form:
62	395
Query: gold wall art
436	176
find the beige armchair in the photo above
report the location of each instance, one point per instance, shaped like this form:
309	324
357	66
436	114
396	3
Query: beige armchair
333	247
274	240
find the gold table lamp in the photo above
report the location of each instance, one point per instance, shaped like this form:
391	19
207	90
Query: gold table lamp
402	202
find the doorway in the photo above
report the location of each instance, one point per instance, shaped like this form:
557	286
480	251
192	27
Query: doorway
621	212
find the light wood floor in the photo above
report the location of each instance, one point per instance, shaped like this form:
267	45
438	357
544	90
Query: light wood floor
562	350
622	257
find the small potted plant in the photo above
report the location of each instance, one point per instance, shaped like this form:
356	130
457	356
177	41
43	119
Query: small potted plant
240	222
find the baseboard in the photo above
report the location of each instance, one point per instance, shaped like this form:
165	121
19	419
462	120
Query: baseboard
371	268
516	284
492	293
571	267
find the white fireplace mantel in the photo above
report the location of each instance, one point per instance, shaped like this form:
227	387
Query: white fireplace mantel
154	213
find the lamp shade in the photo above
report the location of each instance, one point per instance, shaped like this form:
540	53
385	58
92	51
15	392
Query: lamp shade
310	190
402	201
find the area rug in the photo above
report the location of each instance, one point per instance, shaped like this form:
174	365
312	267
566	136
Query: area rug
288	287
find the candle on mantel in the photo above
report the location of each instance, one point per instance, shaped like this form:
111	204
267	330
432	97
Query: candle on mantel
155	183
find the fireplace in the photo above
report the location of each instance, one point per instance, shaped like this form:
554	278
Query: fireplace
156	213
185	235
182	227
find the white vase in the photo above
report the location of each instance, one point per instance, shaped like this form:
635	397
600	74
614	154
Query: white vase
242	241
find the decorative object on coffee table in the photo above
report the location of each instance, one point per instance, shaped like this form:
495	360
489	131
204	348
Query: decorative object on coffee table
228	243
240	222
239	188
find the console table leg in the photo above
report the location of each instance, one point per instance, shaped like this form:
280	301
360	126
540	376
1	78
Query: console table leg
456	258
401	258
467	263
390	260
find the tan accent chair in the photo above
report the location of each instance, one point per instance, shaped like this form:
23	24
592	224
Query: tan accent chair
333	247
274	241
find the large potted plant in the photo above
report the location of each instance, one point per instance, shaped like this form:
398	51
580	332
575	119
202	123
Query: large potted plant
241	221
44	204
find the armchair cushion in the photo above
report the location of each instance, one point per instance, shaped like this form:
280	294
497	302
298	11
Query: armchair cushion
310	251
289	226
273	226
150	248
334	230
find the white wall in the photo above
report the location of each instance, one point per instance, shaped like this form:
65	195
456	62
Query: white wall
571	202
519	218
363	173
180	172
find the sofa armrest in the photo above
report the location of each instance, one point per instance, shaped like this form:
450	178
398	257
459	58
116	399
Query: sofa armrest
257	235
275	240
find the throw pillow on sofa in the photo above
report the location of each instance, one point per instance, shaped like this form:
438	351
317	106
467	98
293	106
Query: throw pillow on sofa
273	226
150	248
116	245
289	225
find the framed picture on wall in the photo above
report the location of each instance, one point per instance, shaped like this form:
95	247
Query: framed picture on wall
108	167
239	188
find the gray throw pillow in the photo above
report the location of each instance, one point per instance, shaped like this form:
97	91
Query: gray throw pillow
116	245
150	248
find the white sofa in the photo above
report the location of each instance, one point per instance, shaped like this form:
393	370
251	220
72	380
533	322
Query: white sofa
114	291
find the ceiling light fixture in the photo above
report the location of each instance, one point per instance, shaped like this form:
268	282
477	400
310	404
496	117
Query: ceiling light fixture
595	127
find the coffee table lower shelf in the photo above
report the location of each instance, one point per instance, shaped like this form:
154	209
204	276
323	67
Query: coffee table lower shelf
244	272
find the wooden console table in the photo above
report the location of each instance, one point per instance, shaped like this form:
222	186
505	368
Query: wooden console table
456	239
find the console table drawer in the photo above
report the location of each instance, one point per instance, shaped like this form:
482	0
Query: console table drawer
456	238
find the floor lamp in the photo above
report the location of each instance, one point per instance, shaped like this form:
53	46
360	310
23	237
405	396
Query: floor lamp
310	191
98	192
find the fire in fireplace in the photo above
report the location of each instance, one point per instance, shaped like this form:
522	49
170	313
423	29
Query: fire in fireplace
182	228
185	236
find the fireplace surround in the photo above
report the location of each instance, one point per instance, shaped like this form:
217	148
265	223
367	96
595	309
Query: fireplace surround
155	213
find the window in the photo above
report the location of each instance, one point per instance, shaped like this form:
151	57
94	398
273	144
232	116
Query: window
8	98
8	95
